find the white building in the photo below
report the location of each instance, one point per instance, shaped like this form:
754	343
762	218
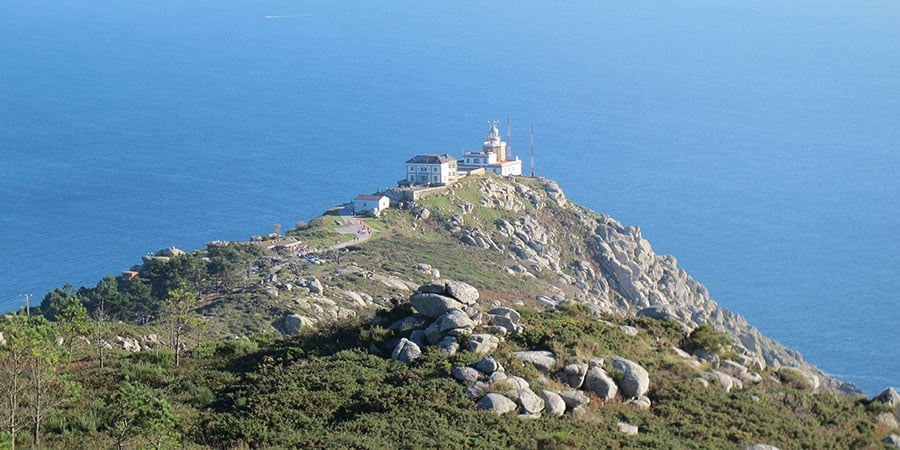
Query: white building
370	205
431	169
492	157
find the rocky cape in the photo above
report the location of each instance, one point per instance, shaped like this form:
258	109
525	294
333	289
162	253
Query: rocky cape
488	301
519	240
535	246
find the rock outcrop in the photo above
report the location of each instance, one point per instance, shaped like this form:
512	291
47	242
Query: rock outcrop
487	381
496	403
889	397
636	381
611	268
406	351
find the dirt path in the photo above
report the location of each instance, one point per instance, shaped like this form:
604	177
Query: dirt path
352	226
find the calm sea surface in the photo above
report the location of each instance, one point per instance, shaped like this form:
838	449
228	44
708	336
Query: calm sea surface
756	141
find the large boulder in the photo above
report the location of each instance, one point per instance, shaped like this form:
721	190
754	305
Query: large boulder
433	333
433	305
509	313
453	320
501	322
732	368
723	379
888	421
496	403
128	344
642	402
460	291
406	351
418	336
504	317
573	374
314	286
170	252
409	323
600	383
421	213
892	441
636	381
488	365
292	323
448	345
555	192
529	402
540	359
501	380
465	374
554	405
477	389
628	428
889	397
483	343
574	398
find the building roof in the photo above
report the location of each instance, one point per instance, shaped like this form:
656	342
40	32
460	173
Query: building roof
369	197
431	159
287	243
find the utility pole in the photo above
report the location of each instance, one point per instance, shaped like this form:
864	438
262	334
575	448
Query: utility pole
508	138
532	150
27	306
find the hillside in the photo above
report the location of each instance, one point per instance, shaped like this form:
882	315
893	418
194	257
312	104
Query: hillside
494	294
519	241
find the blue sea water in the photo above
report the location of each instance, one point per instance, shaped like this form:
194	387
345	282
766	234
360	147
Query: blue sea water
756	141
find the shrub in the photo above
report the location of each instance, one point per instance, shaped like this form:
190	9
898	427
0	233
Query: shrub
232	348
161	358
705	337
794	378
374	335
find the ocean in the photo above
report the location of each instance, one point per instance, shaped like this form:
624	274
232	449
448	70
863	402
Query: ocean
755	141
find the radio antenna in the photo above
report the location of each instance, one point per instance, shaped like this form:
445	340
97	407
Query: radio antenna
508	138
532	150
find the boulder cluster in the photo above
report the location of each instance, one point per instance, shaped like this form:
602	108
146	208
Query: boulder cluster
501	393
445	312
447	317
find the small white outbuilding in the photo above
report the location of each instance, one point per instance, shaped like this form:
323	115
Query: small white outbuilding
370	205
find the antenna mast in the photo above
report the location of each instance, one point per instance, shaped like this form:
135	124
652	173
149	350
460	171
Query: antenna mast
508	138
532	150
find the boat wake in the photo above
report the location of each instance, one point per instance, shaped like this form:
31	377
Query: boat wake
286	16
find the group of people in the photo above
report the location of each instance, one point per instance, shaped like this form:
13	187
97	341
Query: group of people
362	231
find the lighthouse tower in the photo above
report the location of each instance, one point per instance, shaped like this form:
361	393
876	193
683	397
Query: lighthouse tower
492	157
494	144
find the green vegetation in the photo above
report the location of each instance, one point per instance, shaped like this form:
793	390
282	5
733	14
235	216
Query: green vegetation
706	338
213	371
320	232
324	389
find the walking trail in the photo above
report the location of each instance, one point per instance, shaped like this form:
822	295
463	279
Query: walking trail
352	226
